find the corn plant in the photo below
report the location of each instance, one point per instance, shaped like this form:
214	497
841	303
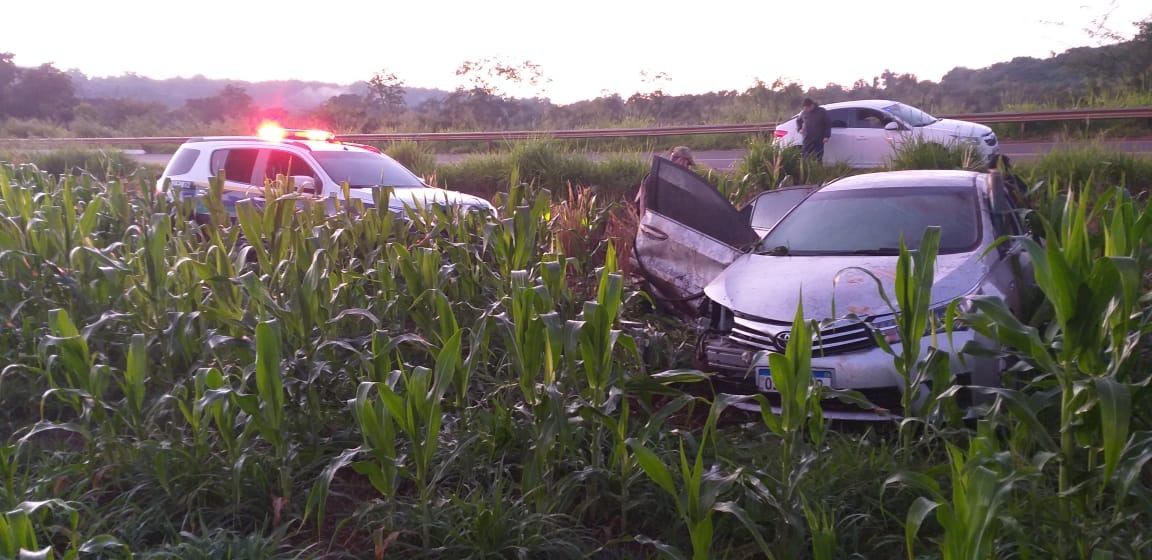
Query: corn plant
697	490
416	412
372	409
18	536
1090	350
974	512
925	378
624	435
799	425
822	527
421	270
83	382
514	238
133	380
266	407
204	406
21	530
533	334
594	334
800	410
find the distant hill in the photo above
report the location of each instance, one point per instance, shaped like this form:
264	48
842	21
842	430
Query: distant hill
1110	75
1060	79
293	95
1066	77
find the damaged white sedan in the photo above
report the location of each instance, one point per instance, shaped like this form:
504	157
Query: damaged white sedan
741	272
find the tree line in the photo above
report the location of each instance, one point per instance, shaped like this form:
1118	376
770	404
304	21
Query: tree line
1114	73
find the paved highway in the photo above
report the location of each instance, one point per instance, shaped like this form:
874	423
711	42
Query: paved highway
1015	150
727	159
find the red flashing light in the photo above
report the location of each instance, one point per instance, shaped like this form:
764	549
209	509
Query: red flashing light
272	131
781	133
312	134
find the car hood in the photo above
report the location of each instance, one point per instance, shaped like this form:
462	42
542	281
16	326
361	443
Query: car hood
767	286
424	196
964	129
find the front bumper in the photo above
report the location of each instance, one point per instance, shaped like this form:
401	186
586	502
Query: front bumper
869	371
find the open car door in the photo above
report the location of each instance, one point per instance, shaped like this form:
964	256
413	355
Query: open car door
688	233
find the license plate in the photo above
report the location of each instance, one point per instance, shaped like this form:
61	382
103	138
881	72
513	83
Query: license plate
821	377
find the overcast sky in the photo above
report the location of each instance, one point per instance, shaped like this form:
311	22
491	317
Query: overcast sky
584	48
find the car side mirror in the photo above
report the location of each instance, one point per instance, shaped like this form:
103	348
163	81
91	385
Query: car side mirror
304	183
893	125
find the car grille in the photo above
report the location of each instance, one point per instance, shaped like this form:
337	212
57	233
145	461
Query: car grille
835	339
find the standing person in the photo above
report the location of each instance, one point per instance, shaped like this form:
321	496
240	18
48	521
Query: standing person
813	125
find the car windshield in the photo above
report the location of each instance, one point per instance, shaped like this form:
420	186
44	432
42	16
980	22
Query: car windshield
366	169
872	221
911	115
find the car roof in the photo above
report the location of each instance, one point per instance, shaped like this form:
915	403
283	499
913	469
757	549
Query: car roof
907	178
878	104
311	145
866	103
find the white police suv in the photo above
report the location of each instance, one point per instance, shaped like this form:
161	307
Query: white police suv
318	164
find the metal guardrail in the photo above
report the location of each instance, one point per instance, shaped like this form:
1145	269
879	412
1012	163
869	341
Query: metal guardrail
986	118
1062	115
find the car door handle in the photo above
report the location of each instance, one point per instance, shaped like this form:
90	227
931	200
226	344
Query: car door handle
652	232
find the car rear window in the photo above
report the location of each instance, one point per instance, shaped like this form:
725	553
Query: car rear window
182	162
872	221
237	164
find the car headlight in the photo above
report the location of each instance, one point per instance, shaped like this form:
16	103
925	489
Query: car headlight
937	322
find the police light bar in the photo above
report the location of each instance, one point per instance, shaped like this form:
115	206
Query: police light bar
271	131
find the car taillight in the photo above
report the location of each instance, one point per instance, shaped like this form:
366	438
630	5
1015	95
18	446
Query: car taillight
781	133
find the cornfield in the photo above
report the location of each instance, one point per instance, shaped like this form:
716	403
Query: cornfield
298	384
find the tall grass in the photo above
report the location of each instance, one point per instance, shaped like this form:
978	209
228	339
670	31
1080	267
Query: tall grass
917	153
415	156
768	165
1092	167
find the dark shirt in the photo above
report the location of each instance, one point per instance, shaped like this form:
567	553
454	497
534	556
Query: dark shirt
814	125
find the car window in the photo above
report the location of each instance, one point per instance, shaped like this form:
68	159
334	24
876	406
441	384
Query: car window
873	221
283	162
770	206
678	194
910	114
182	161
839	118
236	164
869	118
366	169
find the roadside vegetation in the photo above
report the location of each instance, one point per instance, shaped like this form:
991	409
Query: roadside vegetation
354	386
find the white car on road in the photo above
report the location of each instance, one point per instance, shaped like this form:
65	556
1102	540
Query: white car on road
867	133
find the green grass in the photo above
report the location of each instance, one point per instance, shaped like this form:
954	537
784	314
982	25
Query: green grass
103	164
921	154
1093	166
